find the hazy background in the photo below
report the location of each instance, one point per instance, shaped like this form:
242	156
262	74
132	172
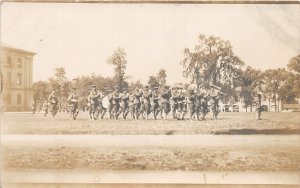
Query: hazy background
81	37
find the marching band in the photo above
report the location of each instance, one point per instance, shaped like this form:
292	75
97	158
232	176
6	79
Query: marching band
142	102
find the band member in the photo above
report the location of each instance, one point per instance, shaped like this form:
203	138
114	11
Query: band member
214	103
111	105
131	105
204	106
45	107
73	104
165	103
181	104
124	104
155	102
137	94
174	102
146	106
191	103
116	103
93	99
101	110
53	107
199	95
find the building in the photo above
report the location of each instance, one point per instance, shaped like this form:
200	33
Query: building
16	70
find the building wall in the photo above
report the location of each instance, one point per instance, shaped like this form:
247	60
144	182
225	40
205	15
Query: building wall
269	106
16	68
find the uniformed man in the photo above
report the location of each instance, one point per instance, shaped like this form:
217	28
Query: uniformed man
73	104
124	104
204	105
93	99
45	107
146	106
181	104
199	96
165	102
258	107
111	105
214	103
137	102
191	103
53	106
116	103
155	102
131	105
174	102
101	110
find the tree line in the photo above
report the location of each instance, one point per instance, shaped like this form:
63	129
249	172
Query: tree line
211	61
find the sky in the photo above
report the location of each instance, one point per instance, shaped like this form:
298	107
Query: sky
81	37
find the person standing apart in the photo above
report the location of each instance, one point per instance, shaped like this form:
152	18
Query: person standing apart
257	101
53	108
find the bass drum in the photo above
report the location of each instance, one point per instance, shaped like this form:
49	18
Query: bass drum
192	87
105	102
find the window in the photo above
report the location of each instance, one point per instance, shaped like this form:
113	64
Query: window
8	79
19	98
19	64
19	81
8	99
9	61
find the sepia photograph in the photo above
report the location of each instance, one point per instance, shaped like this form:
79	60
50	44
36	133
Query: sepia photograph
149	94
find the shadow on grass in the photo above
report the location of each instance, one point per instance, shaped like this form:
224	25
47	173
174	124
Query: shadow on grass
258	131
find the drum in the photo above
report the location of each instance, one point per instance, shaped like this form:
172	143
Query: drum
192	87
105	102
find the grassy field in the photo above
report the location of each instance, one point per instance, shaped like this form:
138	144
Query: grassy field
235	142
153	158
228	123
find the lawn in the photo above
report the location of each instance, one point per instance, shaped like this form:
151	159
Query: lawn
228	123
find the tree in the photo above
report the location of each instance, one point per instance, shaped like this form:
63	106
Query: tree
153	82
118	59
40	92
60	83
251	80
281	85
294	64
212	61
161	77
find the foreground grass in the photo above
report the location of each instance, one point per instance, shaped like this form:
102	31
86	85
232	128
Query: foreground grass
153	158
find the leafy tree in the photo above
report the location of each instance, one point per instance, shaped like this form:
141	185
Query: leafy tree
294	64
153	82
161	77
251	80
231	96
40	92
281	85
212	61
60	83
118	59
289	90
